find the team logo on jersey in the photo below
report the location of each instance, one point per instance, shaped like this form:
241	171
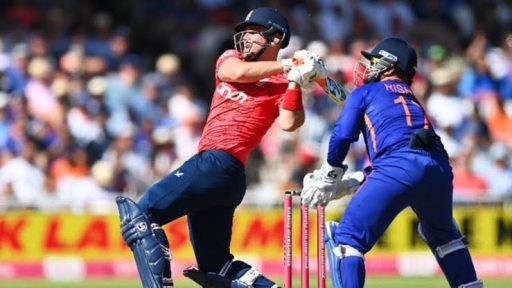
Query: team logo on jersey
227	92
179	174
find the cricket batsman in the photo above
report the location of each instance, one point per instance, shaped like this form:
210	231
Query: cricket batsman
253	90
410	168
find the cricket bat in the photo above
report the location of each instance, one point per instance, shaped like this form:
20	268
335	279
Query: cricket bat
333	89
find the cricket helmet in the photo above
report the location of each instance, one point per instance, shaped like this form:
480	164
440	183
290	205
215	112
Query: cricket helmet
269	18
387	54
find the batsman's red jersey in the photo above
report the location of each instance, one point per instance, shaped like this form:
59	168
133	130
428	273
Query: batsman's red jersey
241	113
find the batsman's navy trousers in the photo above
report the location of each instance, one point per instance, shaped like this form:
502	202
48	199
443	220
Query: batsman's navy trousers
408	177
207	188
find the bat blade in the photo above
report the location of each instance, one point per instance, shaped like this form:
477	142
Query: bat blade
334	90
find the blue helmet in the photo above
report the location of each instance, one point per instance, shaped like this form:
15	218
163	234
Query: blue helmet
394	53
269	18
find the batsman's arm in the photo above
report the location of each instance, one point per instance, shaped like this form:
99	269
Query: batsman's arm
291	113
236	70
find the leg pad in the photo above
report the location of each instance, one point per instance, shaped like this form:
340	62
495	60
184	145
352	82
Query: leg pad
138	234
346	262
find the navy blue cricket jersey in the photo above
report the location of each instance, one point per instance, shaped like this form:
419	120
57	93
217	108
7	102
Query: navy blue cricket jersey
387	113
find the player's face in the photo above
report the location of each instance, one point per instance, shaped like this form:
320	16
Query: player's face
250	41
368	71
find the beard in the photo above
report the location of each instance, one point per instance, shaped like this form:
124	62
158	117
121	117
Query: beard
251	50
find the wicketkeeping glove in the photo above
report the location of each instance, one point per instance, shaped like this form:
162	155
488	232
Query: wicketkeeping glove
329	183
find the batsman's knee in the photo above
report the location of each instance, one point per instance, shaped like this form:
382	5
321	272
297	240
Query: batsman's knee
135	224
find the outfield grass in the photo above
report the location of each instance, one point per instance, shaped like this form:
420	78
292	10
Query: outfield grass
372	282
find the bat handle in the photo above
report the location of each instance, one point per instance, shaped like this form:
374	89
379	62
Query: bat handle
322	82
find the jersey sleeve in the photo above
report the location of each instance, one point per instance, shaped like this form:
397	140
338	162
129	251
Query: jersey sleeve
347	128
232	53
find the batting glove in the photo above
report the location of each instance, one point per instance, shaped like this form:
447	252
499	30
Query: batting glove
287	65
306	74
311	58
310	66
305	56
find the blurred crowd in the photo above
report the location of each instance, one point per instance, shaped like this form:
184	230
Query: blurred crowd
101	98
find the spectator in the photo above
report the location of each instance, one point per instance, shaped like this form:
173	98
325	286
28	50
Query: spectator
498	176
477	80
148	104
85	193
168	74
443	104
131	170
124	87
42	103
73	164
307	161
500	123
22	179
164	158
467	184
119	48
4	119
17	73
335	19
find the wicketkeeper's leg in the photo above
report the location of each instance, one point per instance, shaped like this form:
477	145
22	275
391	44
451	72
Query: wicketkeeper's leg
452	254
346	262
369	213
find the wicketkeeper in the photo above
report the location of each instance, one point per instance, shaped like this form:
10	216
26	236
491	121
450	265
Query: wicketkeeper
410	168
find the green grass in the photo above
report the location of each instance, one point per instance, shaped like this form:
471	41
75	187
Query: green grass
372	282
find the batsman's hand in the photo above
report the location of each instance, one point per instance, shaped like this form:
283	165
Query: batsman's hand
287	65
308	67
329	183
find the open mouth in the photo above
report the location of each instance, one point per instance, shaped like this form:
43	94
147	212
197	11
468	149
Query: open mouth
247	47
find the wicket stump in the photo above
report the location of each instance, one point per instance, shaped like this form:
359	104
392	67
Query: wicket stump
288	242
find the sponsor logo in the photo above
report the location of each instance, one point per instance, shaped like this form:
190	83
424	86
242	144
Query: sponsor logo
179	174
227	92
